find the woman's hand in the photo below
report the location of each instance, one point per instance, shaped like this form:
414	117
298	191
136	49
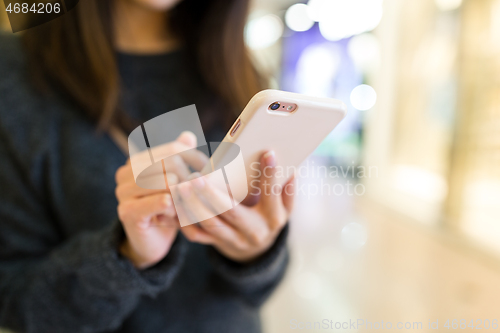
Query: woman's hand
242	233
148	216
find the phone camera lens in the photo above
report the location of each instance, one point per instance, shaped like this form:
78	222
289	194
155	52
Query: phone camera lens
274	106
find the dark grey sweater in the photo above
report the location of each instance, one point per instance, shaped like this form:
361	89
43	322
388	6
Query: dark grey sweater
59	266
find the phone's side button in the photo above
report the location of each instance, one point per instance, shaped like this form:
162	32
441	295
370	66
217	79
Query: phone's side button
235	127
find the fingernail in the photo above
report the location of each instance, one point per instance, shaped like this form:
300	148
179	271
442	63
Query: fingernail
185	190
198	182
270	158
172	179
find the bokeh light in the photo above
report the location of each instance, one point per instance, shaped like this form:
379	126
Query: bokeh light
420	183
307	285
340	19
316	8
363	97
364	50
297	17
329	259
263	31
354	235
446	5
316	69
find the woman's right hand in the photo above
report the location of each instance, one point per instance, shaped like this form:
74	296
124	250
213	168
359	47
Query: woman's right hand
148	216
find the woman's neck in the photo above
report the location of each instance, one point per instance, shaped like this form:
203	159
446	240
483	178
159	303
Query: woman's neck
141	30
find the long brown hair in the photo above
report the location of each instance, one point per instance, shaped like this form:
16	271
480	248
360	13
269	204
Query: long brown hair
75	53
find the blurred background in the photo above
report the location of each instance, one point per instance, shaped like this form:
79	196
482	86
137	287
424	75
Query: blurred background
420	239
405	224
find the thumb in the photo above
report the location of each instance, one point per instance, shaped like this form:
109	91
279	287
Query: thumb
188	138
270	198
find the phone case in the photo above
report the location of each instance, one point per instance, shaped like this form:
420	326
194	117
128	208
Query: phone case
293	136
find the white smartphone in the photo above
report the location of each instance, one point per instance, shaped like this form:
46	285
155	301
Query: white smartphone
290	124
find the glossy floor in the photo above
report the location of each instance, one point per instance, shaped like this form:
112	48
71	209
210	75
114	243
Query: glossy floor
405	274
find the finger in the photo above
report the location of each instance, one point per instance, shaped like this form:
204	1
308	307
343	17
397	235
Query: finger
219	201
251	199
158	204
254	230
270	189
212	225
193	205
130	190
124	174
173	180
188	138
175	164
175	156
164	221
196	234
164	150
288	194
140	210
222	232
194	158
180	162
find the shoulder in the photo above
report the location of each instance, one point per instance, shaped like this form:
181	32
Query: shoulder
12	67
15	87
23	112
9	42
11	54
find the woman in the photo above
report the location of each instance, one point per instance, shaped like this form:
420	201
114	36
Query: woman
81	253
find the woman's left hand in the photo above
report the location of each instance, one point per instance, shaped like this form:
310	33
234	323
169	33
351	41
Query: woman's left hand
242	233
